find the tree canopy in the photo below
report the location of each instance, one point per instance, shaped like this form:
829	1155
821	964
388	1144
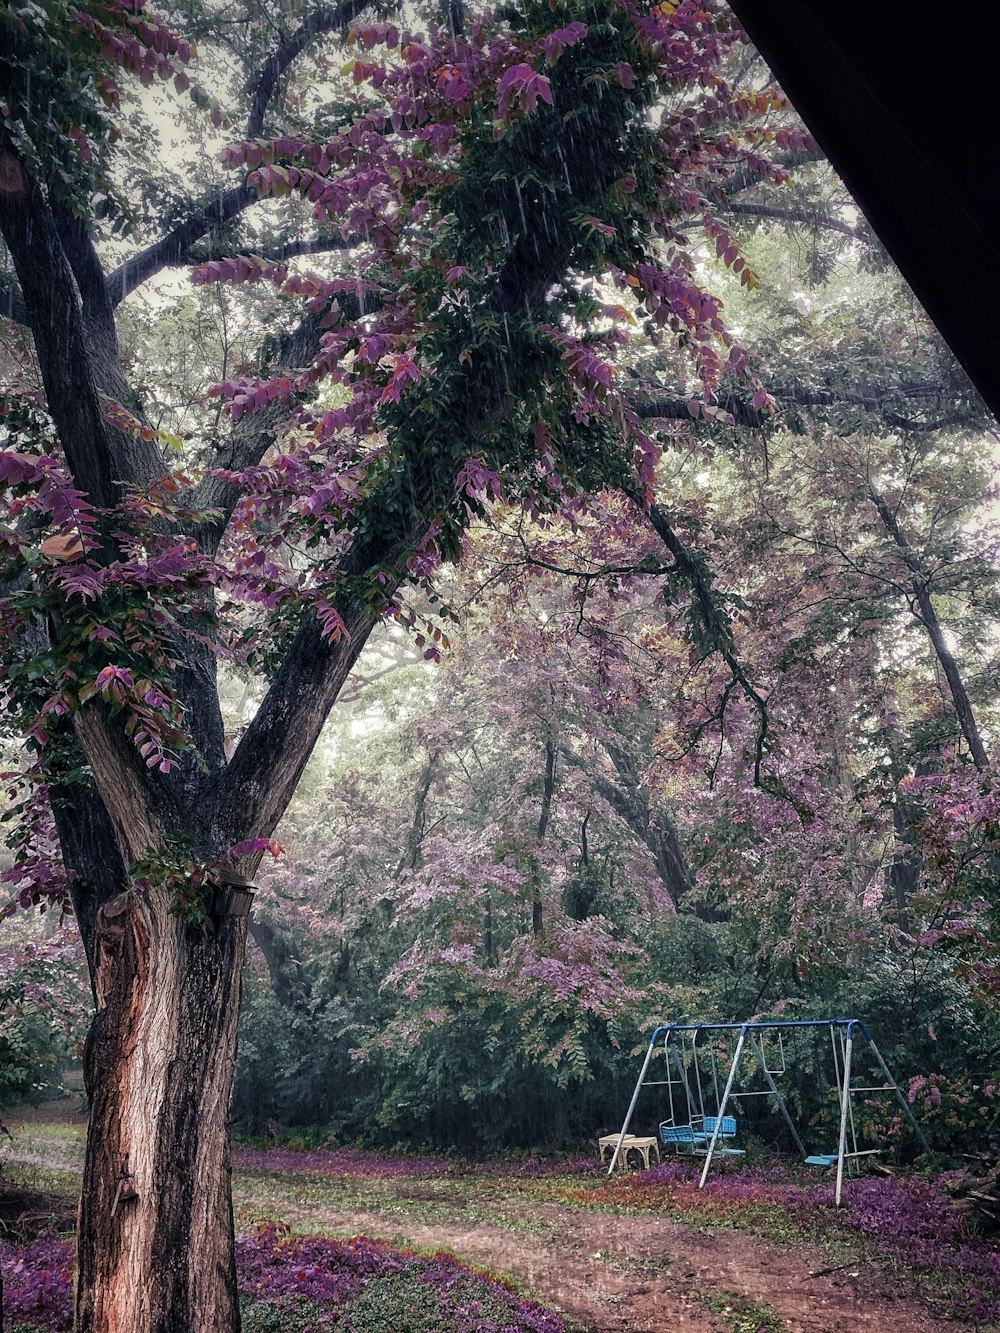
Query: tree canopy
445	278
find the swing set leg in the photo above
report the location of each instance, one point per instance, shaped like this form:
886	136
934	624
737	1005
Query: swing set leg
845	1105
722	1107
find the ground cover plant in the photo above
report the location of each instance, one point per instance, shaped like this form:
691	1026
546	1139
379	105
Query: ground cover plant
745	1316
904	1226
304	1284
909	1220
365	1164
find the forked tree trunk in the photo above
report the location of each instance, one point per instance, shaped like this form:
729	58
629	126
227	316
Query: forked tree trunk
159	1073
923	609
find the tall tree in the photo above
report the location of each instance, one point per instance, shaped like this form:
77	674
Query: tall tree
479	176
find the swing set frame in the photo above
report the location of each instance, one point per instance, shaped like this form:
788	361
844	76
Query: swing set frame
846	1030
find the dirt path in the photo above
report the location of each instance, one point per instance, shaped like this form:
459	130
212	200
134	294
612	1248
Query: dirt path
648	1274
612	1273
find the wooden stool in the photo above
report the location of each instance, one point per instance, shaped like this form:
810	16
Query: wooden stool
609	1142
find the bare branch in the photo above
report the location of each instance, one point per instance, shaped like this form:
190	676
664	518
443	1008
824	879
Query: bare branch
748	178
328	18
173	249
877	400
316	245
805	216
56	322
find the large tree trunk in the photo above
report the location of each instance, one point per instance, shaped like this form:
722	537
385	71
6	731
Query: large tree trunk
160	1059
159	1072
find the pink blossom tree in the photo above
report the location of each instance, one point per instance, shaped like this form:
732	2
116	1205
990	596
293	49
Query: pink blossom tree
513	196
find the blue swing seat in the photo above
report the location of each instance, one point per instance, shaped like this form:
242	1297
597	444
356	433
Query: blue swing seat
728	1130
682	1138
726	1134
685	1138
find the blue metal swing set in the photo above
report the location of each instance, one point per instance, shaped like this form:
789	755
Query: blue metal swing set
692	1060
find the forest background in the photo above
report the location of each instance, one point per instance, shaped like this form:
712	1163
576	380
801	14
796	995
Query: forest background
724	755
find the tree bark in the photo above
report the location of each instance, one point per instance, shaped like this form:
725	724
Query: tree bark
488	933
548	787
927	616
159	1070
288	980
630	802
904	870
412	856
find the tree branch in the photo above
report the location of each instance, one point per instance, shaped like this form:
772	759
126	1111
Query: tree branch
711	629
173	249
664	408
544	814
316	245
54	316
328	18
250	439
96	308
658	835
927	615
288	978
808	217
78	247
266	766
410	858
746	179
140	808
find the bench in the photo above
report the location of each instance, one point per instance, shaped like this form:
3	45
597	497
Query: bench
631	1143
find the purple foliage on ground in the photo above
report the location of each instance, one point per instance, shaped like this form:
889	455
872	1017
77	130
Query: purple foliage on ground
271	1265
773	1183
531	1168
450	1279
288	1270
353	1162
670	1172
915	1221
909	1219
38	1283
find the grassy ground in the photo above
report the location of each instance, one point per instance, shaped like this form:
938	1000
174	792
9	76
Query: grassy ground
892	1227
